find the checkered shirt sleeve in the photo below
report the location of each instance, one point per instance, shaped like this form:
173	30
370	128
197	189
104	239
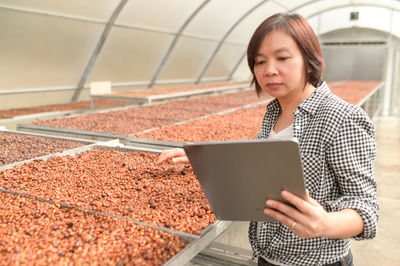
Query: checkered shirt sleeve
350	158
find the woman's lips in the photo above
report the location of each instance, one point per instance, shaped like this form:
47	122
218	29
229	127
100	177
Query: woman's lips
273	85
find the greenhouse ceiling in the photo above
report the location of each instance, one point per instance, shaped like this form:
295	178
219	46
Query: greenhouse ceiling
55	45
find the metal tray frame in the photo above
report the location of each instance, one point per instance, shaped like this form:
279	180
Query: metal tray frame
168	96
71	133
35	134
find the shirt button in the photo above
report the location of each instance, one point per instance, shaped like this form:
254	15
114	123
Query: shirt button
264	226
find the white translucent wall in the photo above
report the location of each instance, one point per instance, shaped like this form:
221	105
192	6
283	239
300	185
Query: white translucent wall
291	4
396	22
91	9
226	58
47	44
211	32
242	72
396	89
318	6
187	58
340	18
22	100
157	14
244	30
374	17
224	14
43	51
393	4
354	63
129	55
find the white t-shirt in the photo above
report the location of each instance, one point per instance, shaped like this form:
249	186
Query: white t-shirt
286	133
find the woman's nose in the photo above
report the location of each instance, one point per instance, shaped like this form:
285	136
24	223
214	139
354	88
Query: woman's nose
270	69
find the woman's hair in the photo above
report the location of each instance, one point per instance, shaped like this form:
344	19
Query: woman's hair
301	32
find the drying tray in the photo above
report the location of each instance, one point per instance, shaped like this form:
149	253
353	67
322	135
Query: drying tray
96	135
125	139
160	143
82	142
196	243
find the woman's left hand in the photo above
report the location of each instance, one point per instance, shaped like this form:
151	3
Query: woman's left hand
309	219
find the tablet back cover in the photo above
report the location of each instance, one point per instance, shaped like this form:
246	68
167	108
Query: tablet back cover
239	176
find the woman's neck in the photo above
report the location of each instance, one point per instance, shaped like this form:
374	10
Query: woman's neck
290	103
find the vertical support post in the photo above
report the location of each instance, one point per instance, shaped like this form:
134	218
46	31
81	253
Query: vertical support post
97	50
396	85
92	102
388	81
99	88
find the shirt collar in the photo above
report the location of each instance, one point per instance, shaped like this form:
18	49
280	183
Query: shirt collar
310	105
274	105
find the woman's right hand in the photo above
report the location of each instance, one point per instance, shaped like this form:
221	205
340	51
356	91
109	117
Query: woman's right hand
177	155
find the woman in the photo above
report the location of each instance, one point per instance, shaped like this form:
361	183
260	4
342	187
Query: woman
337	150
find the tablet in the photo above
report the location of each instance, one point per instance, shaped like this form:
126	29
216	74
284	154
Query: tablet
239	176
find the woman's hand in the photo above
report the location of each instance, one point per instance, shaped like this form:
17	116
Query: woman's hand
307	221
177	155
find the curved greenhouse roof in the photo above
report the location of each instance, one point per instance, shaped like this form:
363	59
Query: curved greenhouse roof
60	47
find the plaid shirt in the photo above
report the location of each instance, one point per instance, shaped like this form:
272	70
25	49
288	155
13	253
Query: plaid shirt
337	151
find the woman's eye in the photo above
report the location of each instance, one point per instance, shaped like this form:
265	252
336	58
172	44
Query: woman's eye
282	58
260	62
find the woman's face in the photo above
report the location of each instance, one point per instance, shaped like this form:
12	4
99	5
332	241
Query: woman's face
279	66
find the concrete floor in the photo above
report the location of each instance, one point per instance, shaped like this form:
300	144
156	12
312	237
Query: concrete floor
385	248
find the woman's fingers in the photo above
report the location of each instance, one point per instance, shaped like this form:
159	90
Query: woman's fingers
308	214
303	205
177	155
302	211
182	159
283	210
286	220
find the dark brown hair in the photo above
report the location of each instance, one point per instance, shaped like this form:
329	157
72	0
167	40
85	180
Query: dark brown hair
302	33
